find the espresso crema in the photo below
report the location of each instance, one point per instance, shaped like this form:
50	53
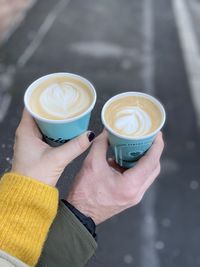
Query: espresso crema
59	98
133	116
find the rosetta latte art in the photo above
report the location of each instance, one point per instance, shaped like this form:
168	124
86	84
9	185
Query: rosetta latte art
63	100
132	121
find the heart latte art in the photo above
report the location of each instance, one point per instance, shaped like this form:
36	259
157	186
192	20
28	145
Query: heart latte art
132	121
59	99
133	116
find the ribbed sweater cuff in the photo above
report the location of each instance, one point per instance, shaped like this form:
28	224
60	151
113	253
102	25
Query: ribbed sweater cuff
27	209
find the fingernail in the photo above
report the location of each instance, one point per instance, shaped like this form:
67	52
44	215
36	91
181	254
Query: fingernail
91	136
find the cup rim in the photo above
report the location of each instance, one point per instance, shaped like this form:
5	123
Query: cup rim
33	85
134	93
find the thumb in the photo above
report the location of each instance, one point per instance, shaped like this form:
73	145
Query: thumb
72	149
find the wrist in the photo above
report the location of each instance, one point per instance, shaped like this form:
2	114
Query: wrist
38	176
84	209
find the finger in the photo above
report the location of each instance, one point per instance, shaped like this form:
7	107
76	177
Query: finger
99	147
69	151
28	126
148	163
112	163
157	147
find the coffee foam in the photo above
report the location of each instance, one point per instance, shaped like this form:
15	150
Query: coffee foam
63	100
132	121
133	116
60	98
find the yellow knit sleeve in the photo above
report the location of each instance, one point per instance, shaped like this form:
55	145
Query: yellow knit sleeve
27	209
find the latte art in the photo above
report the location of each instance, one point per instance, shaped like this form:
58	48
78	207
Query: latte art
59	98
133	116
63	100
132	121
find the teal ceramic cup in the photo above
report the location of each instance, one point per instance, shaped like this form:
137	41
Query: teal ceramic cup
128	150
57	132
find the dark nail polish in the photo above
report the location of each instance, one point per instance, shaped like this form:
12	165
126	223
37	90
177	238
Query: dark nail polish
91	136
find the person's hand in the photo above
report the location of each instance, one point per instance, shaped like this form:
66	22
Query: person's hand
103	189
36	159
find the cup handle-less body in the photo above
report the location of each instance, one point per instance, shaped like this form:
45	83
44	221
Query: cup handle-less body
58	134
127	152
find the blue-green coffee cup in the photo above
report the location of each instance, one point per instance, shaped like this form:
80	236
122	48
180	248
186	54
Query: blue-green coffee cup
128	150
57	132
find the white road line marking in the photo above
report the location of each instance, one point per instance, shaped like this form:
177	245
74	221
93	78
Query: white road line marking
148	47
101	49
6	80
5	101
43	30
149	256
191	52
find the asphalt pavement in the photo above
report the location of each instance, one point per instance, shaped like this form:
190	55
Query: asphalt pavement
119	46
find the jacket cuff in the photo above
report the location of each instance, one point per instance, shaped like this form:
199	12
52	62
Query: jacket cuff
27	209
86	221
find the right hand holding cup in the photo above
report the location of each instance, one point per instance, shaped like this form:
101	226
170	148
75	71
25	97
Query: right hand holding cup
103	189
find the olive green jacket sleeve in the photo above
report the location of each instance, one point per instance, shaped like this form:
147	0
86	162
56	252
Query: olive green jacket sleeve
69	243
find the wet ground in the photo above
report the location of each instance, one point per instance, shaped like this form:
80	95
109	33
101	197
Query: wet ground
120	46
